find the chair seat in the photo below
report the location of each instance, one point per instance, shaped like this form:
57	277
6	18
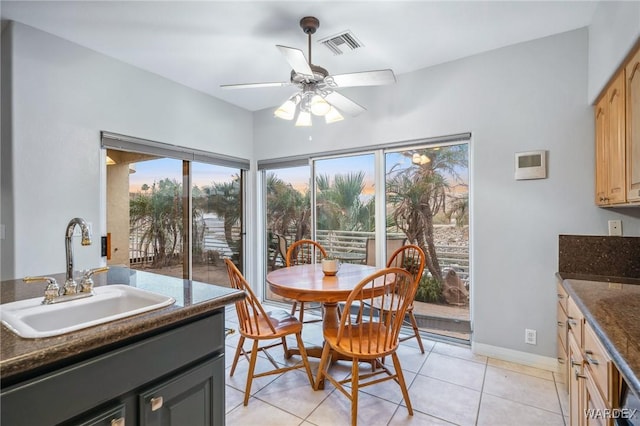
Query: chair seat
283	323
364	341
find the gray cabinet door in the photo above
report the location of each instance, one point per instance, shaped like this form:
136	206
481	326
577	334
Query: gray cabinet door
194	398
109	417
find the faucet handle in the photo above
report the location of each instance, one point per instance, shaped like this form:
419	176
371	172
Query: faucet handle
50	292
86	285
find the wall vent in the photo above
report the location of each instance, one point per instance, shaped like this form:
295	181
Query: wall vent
341	43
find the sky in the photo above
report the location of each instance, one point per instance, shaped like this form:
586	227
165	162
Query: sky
205	174
298	177
154	170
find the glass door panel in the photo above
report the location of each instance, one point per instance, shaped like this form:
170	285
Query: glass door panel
216	230
154	209
345	206
288	214
427	196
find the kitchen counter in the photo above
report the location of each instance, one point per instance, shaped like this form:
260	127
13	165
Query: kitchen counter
612	309
23	358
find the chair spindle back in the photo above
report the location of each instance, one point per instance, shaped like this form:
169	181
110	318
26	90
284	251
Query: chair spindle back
393	288
304	252
251	315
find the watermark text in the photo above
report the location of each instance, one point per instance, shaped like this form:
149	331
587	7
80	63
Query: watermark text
616	413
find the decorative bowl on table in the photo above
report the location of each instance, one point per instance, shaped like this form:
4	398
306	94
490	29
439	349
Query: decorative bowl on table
330	267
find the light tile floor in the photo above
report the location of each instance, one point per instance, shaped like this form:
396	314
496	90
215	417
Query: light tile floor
448	385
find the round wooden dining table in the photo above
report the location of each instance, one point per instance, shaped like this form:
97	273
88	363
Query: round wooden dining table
307	283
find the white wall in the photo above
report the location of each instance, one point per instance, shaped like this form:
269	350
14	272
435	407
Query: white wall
614	29
62	96
525	97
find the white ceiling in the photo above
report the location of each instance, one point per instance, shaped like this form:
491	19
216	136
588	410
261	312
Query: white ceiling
204	44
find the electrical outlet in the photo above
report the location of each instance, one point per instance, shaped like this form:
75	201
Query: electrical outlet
530	336
615	228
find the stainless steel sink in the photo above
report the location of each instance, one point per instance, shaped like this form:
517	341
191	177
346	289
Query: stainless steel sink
31	319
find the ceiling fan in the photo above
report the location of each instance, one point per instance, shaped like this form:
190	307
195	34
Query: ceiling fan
317	93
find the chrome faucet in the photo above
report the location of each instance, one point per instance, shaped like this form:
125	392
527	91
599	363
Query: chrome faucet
70	286
54	294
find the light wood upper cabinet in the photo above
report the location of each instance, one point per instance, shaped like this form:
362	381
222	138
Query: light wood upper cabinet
610	144
617	119
616	102
633	127
602	173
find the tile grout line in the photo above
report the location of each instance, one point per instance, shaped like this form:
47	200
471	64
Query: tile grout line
559	402
484	377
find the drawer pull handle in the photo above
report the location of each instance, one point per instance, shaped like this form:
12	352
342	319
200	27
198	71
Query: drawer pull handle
578	375
572	322
560	324
590	359
561	360
156	403
560	296
117	422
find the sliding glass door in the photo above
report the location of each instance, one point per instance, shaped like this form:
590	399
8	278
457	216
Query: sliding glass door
366	205
173	217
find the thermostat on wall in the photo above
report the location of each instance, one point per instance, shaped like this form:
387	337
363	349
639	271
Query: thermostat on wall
531	165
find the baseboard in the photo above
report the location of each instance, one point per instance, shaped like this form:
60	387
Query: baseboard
523	358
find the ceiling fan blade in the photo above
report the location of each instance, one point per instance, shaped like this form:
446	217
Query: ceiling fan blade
365	78
344	104
296	59
255	85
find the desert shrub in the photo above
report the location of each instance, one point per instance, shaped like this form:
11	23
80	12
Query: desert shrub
429	290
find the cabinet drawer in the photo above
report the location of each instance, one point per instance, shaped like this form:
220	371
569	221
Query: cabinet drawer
562	328
575	321
562	296
562	363
600	365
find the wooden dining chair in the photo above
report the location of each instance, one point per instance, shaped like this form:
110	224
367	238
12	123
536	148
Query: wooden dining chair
372	337
412	258
257	324
304	252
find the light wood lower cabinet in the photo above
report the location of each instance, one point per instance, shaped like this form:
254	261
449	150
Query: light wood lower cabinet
576	382
592	378
562	333
595	406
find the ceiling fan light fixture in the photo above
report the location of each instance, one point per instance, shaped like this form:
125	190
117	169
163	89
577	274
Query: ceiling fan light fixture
287	110
304	119
333	116
319	106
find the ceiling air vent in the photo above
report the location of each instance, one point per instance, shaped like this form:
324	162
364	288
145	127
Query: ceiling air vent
341	43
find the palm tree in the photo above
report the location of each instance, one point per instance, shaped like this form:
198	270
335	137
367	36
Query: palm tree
418	192
158	218
287	208
339	206
459	209
223	199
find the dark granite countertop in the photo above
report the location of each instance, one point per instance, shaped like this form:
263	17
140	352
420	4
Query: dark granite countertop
21	357
612	309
